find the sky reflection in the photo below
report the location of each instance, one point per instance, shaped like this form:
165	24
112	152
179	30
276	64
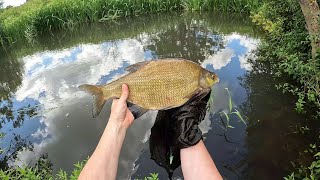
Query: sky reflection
64	128
12	2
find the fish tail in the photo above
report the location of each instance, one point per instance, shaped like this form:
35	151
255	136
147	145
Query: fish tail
98	98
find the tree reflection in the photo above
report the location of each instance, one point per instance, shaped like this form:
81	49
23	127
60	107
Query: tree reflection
11	73
16	116
193	37
273	132
186	36
16	145
189	39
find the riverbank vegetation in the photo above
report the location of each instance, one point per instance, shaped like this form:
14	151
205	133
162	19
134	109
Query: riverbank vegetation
291	44
292	48
36	17
41	170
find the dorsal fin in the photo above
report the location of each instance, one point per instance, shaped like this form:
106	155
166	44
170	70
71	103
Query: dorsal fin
136	66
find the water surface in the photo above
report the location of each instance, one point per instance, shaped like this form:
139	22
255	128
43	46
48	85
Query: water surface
6	3
44	113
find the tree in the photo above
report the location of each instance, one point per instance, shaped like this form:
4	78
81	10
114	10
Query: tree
311	12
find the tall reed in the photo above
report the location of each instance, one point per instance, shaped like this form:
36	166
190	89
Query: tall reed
227	6
38	17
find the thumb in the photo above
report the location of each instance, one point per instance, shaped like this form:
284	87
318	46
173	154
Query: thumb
125	93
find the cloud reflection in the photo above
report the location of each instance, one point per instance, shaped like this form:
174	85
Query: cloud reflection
223	57
12	2
52	78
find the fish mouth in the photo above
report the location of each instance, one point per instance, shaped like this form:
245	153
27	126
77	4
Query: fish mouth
218	79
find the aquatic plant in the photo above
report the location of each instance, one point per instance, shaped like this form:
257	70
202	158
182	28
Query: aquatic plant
153	176
231	110
1	136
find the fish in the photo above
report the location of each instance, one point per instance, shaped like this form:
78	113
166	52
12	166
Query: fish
155	85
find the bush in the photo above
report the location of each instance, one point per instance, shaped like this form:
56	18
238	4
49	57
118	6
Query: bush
40	171
311	172
288	45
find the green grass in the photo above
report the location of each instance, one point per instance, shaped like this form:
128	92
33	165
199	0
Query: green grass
120	29
238	6
36	17
42	170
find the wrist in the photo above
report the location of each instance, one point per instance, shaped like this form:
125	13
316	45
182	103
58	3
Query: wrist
115	127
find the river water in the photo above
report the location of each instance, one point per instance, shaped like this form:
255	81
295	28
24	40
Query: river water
44	113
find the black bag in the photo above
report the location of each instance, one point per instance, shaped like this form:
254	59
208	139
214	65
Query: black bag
175	129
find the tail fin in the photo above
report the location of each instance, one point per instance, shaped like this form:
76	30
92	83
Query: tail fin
98	98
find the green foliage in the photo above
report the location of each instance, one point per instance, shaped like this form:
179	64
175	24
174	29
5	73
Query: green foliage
239	6
1	136
260	18
308	76
37	17
289	44
41	170
236	112
311	172
76	171
230	99
153	176
231	111
227	119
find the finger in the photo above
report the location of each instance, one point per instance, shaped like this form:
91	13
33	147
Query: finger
125	93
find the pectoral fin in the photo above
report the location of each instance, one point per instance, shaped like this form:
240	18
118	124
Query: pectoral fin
199	94
197	91
136	110
136	66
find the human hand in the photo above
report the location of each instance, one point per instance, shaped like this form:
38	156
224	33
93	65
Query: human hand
187	120
175	129
120	114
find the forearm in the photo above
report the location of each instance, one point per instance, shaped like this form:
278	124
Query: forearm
197	163
103	163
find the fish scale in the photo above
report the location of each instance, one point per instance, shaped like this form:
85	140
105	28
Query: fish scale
157	85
